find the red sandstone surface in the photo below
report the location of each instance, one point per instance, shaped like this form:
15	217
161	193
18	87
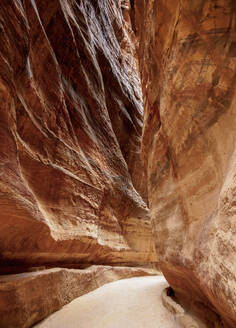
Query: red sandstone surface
71	183
188	60
73	186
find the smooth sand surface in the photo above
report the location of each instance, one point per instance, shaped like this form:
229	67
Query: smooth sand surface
128	303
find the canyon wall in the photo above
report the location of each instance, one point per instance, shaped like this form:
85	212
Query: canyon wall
71	182
72	186
188	58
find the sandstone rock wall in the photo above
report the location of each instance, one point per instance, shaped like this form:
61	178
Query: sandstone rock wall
188	59
71	184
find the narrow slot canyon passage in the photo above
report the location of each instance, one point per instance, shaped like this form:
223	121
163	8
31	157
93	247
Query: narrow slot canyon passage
127	303
118	163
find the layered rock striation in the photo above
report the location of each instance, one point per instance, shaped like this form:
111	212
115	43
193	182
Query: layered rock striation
71	183
188	59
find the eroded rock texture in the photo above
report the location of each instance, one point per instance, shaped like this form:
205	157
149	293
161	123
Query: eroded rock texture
188	56
71	184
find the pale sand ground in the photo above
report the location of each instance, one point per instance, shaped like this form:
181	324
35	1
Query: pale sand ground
128	303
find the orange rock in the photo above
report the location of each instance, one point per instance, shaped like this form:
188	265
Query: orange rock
187	58
71	183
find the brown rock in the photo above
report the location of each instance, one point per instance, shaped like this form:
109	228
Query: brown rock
187	57
30	297
71	184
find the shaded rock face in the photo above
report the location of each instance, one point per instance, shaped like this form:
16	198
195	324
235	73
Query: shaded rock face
187	58
71	183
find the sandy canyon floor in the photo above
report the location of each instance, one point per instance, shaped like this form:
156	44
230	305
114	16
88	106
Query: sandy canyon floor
128	303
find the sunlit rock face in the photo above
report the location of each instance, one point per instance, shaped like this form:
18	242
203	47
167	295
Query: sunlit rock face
187	57
71	183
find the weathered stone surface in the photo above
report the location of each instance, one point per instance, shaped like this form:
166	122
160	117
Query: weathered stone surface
30	297
187	57
71	184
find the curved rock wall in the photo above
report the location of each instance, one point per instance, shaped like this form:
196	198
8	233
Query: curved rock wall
71	184
188	59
